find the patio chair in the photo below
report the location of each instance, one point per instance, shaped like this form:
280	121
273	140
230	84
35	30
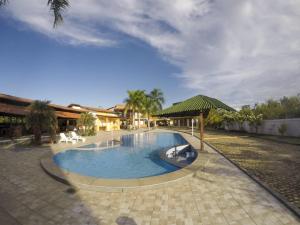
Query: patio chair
77	137
190	154
64	138
172	152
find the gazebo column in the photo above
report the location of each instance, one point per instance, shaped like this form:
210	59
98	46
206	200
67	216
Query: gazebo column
187	122
201	124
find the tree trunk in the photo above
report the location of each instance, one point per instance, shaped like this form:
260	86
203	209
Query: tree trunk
148	122
139	119
37	136
133	119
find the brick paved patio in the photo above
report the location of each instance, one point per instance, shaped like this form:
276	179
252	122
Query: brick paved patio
217	194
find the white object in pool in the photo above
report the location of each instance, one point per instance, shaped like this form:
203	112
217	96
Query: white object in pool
190	154
175	150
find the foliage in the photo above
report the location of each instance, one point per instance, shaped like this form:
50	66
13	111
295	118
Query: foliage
87	124
229	117
286	107
3	2
41	118
148	107
153	102
158	99
255	120
134	103
56	6
142	103
215	118
282	129
245	114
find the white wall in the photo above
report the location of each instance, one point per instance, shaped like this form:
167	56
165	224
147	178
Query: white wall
271	127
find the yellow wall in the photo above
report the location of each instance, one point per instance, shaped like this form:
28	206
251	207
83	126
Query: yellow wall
107	123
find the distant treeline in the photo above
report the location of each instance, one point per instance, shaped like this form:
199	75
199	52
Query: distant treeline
286	107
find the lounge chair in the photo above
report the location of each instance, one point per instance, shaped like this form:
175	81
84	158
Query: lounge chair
172	152
77	137
64	138
190	154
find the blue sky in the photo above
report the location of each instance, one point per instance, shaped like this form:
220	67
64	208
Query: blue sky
37	67
241	52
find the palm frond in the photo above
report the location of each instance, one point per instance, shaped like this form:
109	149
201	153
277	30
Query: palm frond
57	6
3	2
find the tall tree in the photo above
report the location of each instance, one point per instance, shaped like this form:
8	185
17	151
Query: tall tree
130	106
148	108
158	99
41	118
134	104
140	96
56	6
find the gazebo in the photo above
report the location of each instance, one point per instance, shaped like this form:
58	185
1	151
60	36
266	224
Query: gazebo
199	105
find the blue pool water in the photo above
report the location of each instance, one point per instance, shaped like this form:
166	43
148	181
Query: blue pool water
136	156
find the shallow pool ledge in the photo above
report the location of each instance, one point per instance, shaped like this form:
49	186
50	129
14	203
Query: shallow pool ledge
118	185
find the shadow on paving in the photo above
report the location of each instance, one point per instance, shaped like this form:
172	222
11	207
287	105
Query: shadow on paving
29	196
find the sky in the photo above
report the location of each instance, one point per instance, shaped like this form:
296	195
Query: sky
239	51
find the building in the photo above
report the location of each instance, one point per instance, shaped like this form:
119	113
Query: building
183	113
106	120
13	111
126	116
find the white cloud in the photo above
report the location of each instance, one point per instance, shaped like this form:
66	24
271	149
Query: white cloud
241	51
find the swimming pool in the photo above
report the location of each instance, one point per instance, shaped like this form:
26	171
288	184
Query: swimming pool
136	156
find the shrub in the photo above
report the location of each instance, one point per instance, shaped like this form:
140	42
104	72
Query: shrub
41	118
282	129
86	122
214	119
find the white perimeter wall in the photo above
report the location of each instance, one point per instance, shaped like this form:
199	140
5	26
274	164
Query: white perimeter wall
271	127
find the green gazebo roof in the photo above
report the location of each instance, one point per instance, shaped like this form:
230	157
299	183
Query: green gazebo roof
193	106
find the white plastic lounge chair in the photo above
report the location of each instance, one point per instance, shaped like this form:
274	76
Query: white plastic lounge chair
190	154
175	150
77	137
64	138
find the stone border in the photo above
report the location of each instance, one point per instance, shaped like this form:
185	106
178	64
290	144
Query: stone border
275	194
117	185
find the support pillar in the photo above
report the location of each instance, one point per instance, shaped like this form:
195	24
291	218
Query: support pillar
192	127
201	123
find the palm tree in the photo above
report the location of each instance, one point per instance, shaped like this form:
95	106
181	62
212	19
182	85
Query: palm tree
56	6
148	107
3	2
140	96
134	103
130	106
158	100
41	118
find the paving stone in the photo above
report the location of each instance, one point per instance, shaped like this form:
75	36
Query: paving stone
217	194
